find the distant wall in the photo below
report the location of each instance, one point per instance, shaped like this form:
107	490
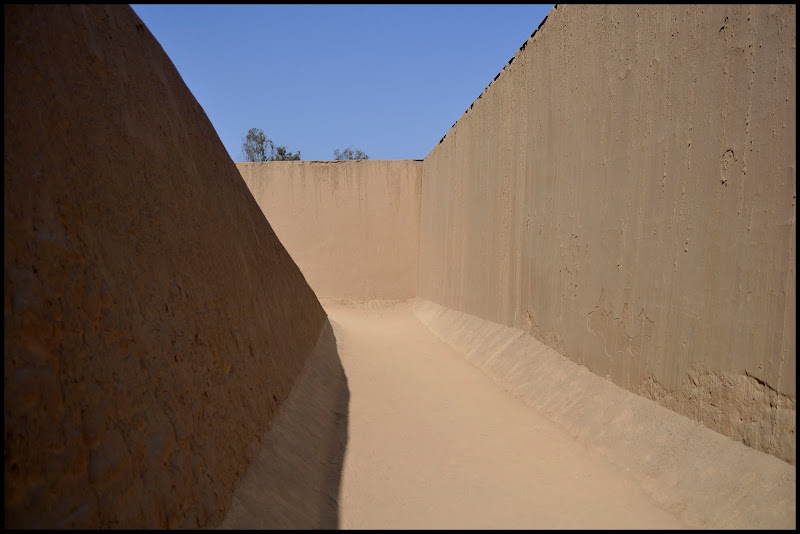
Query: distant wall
153	322
625	191
351	226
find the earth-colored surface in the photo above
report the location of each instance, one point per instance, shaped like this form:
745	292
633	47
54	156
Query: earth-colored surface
153	322
707	478
625	191
434	442
351	226
294	481
162	348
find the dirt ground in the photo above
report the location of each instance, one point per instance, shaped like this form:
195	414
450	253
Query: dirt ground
422	439
434	444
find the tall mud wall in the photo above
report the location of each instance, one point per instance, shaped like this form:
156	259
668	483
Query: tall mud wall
351	226
153	321
625	191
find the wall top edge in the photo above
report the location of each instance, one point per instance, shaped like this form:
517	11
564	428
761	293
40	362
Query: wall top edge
333	162
517	53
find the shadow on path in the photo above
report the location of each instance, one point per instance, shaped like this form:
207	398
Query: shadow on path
294	481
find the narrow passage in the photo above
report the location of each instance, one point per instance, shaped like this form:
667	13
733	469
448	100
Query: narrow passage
434	443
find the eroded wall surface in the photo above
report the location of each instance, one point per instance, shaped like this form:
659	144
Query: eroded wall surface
700	476
153	321
351	226
625	191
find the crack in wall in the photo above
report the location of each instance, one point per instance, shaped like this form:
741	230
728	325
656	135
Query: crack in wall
602	323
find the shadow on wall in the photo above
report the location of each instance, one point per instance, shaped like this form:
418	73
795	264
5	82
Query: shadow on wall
153	322
294	482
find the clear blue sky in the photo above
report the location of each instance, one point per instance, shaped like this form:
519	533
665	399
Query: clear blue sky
387	79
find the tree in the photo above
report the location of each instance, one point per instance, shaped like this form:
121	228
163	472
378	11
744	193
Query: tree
258	147
281	154
348	153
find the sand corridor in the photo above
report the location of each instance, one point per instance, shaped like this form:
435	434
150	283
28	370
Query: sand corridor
431	442
434	443
616	209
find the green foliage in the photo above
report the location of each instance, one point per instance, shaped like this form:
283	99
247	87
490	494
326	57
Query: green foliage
281	154
258	147
348	153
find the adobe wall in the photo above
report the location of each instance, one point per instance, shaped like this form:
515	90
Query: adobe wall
625	191
699	475
351	226
153	321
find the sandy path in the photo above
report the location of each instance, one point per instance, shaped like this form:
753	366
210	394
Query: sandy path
433	443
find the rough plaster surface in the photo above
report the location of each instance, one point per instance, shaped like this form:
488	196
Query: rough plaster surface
153	322
704	478
351	226
625	191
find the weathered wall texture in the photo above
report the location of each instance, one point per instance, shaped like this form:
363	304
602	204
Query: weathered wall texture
351	226
153	321
625	191
693	472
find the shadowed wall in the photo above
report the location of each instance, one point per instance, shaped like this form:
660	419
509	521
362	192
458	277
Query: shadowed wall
153	321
